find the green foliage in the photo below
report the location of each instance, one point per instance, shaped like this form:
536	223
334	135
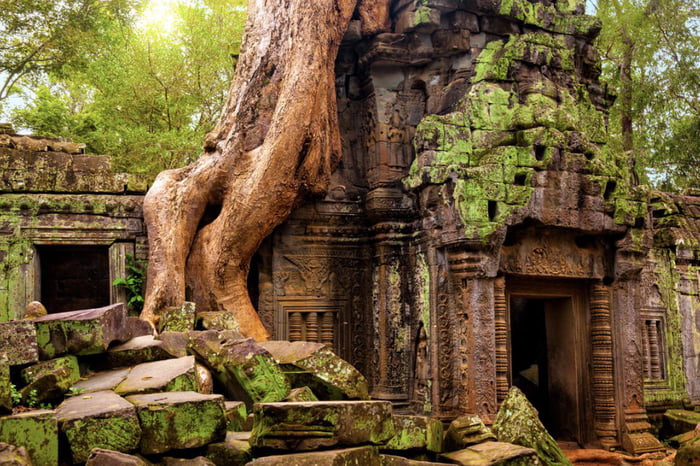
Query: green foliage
72	391
133	283
15	395
149	95
651	51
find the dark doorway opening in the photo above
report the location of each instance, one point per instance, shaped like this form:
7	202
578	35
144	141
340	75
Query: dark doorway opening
544	361
74	277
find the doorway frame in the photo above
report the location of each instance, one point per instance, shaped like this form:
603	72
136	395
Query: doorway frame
578	291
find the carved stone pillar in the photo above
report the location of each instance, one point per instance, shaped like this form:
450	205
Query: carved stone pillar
603	378
501	323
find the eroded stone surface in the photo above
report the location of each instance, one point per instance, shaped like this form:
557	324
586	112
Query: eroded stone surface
35	431
356	456
679	421
494	453
103	457
18	342
49	380
236	415
177	318
11	455
171	375
98	420
416	432
327	375
301	394
234	450
309	425
100	381
178	420
138	350
465	431
89	331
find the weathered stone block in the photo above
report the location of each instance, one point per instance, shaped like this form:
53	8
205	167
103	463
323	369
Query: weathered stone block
171	375
175	343
34	310
101	381
98	420
245	369
416	432
5	386
308	426
328	376
88	331
198	461
234	451
136	351
18	342
517	422
178	420
36	431
177	318
678	421
11	455
391	460
49	380
301	394
689	454
236	415
102	457
138	327
366	456
465	431
494	453
217	321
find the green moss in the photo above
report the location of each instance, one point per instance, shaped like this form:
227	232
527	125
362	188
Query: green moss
120	433
37	431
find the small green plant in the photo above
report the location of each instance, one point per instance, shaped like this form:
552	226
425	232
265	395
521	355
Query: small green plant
74	391
15	395
32	401
133	283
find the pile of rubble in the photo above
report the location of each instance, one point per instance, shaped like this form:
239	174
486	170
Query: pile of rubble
109	393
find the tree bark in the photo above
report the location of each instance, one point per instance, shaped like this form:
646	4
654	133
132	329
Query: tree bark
277	140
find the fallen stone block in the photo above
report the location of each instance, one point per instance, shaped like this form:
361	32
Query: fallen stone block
465	431
205	381
98	420
171	375
689	453
416	433
18	342
6	386
236	415
175	343
392	460
102	457
35	431
235	450
245	369
101	381
49	380
313	425
88	331
301	394
178	420
314	365
678	421
11	455
177	318
138	327
137	351
494	453
198	461
217	321
365	456
517	422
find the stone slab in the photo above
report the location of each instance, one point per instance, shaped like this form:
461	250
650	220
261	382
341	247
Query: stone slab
678	421
493	453
49	380
236	415
6	386
18	342
83	332
98	420
312	425
36	431
465	431
101	381
197	461
170	375
365	456
393	460
178	420
137	351
102	457
234	450
301	394
327	375
416	433
11	455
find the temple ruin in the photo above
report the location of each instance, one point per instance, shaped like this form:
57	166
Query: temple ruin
477	234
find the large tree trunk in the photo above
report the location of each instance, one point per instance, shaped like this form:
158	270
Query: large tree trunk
277	140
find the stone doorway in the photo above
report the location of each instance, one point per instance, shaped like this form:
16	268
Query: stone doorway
547	326
74	277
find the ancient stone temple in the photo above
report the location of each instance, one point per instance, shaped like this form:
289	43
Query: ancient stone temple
67	225
478	233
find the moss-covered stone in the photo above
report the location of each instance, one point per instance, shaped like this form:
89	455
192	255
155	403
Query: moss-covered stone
309	425
36	431
234	451
138	350
517	422
217	321
301	394
103	457
6	386
494	453
89	331
365	456
466	431
236	415
171	375
393	460
98	420
177	318
315	366
689	453
246	370
678	421
416	433
18	342
101	381
178	420
49	380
